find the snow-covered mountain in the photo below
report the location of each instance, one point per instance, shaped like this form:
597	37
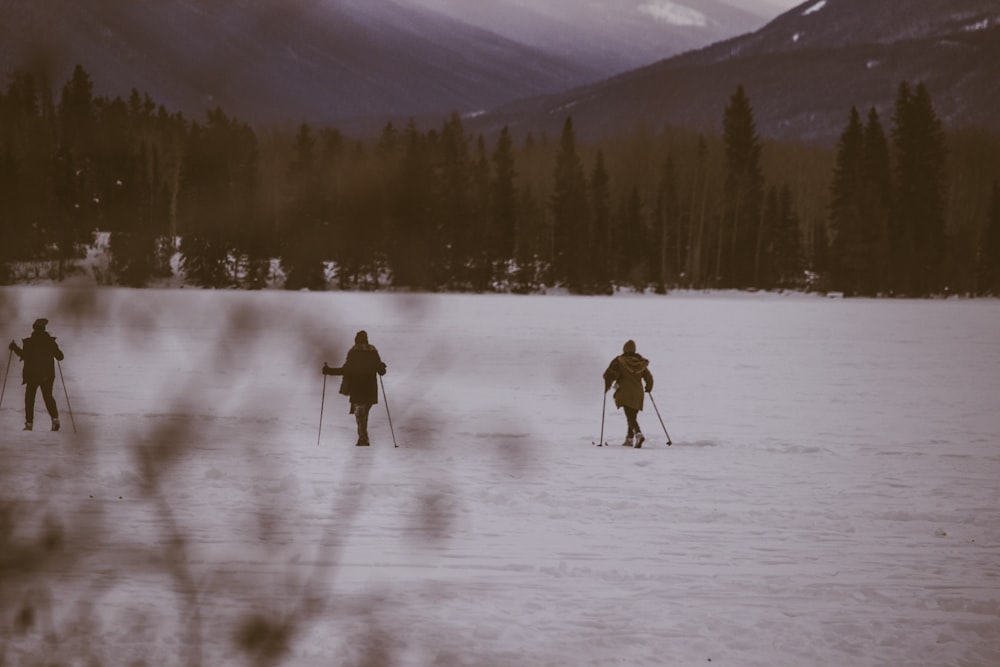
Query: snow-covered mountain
610	36
264	60
841	24
358	63
803	72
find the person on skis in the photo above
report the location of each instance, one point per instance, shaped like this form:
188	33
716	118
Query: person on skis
38	354
628	372
358	371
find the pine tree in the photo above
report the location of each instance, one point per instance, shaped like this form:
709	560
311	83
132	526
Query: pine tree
770	219
851	259
785	251
532	269
633	259
203	248
743	192
989	249
699	213
76	113
918	232
860	205
9	209
124	186
30	211
304	239
455	204
876	202
571	237
601	246
481	259
504	199
416	245
75	186
672	232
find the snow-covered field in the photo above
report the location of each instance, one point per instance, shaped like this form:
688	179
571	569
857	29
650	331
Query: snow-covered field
832	496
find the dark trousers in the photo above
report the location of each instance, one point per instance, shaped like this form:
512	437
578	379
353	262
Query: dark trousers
631	414
360	411
29	399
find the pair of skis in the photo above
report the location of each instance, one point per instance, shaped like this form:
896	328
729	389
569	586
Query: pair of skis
604	409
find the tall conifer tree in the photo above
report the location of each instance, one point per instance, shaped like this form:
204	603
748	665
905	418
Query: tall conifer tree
416	242
850	258
503	202
601	246
75	201
877	201
989	249
303	238
743	191
919	226
571	237
785	248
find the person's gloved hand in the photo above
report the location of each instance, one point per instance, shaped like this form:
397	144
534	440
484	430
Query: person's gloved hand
12	346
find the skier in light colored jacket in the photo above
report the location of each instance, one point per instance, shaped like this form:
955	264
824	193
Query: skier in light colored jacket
628	372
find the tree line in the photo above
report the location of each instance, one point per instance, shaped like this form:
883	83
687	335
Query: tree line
910	210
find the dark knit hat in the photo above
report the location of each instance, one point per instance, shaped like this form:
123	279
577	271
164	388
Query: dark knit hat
361	338
629	347
39	324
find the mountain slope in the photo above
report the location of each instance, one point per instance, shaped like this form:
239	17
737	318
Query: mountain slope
610	37
803	71
315	60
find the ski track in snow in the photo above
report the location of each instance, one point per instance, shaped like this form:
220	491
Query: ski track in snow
831	496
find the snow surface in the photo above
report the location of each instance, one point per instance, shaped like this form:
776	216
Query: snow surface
832	496
814	8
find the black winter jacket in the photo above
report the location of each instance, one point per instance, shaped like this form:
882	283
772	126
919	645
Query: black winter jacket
363	362
39	354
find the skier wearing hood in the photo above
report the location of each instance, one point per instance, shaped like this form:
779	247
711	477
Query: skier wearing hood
39	354
358	371
628	371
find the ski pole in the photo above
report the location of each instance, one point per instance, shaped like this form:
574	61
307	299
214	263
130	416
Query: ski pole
10	355
386	399
661	419
322	405
66	393
604	409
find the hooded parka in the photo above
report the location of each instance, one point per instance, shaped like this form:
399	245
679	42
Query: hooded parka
629	371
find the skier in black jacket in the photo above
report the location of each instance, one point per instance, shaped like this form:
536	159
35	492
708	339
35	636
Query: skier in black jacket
38	354
358	371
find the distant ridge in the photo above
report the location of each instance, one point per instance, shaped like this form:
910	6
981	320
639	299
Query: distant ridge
803	72
358	64
280	61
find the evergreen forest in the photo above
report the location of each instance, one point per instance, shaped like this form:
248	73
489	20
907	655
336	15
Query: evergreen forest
901	206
